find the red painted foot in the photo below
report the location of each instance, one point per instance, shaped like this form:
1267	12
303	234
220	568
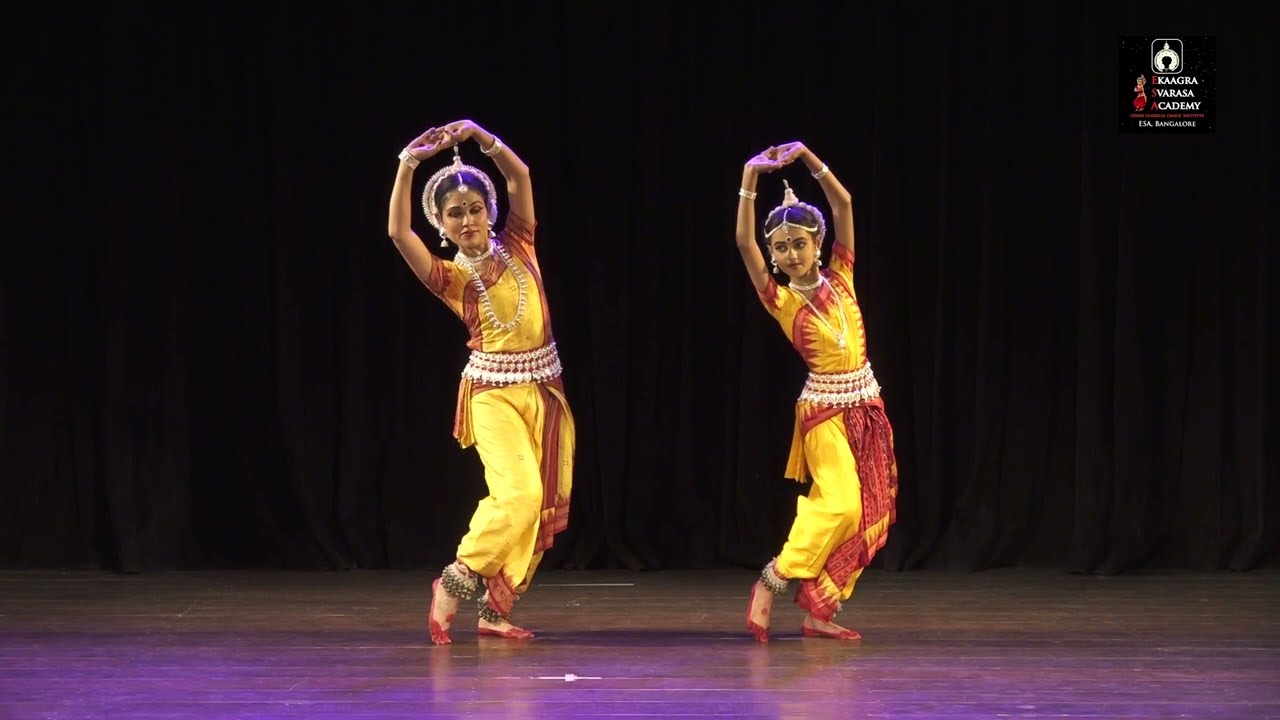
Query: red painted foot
843	634
439	630
760	632
512	633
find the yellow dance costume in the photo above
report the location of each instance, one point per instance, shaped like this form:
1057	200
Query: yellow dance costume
842	439
512	408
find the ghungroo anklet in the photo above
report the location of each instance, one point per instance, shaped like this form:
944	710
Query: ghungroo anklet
459	582
772	581
487	613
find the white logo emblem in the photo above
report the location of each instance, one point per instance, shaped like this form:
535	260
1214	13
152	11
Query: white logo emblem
1168	59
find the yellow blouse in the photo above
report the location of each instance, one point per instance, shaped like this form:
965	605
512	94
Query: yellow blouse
453	283
814	326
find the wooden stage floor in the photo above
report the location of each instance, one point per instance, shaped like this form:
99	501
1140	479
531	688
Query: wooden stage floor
1005	643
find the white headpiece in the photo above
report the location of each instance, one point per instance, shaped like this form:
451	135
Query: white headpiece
429	192
789	201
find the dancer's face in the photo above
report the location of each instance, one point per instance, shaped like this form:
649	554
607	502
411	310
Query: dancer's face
794	250
465	220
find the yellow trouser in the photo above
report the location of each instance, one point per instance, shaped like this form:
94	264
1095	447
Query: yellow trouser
508	427
832	512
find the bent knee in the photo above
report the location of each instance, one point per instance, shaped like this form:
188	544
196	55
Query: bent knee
522	505
851	514
524	513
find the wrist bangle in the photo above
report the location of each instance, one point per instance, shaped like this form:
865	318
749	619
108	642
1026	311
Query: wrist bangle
494	149
743	192
819	175
408	159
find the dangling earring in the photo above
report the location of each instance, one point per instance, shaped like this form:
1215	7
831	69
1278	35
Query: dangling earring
444	239
774	262
492	234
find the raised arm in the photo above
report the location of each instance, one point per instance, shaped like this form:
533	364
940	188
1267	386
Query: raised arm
400	212
752	258
838	198
519	187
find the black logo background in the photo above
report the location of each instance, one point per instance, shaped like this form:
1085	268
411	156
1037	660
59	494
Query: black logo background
1199	60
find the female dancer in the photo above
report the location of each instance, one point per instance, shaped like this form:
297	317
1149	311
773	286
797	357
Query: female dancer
511	402
841	437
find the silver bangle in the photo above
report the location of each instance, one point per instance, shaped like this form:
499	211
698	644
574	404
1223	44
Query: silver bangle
819	175
494	149
408	159
743	192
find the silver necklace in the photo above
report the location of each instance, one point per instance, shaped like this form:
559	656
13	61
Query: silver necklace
478	258
806	288
496	248
844	324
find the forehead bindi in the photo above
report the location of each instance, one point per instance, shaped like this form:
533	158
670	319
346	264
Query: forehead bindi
468	201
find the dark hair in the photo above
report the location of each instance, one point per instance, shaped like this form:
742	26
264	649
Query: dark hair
451	183
794	214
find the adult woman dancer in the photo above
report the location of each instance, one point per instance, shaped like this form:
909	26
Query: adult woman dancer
842	437
511	403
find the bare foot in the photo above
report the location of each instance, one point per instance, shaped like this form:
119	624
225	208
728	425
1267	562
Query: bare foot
502	629
813	627
443	607
758	610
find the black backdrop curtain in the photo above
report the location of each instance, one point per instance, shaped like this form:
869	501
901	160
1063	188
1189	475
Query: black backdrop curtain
212	356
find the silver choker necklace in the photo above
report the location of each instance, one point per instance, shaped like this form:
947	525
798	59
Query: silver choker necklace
479	258
806	288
